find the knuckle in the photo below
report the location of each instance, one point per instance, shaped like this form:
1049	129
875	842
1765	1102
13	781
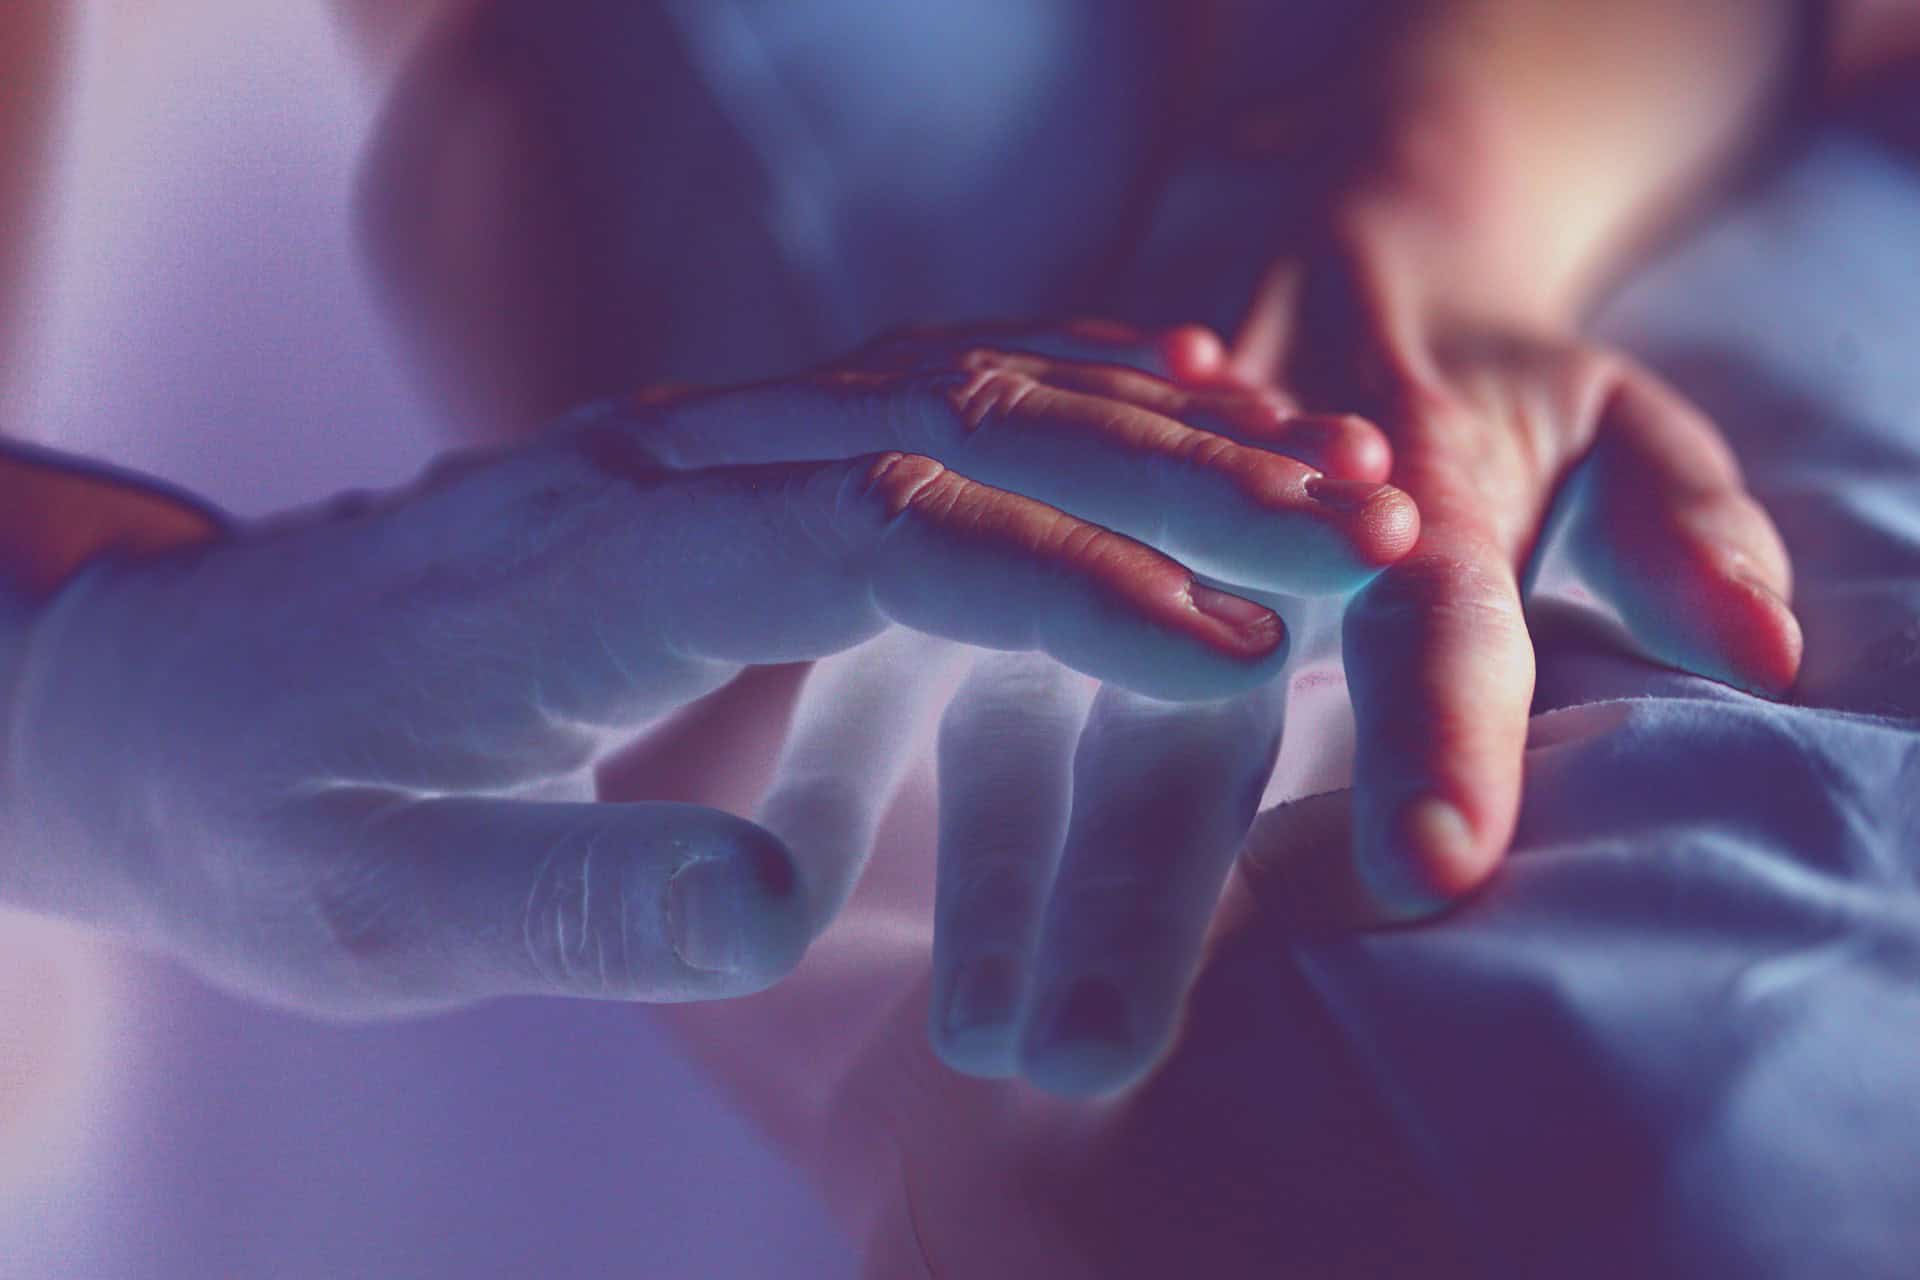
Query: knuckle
992	393
901	480
1216	453
1075	543
1416	591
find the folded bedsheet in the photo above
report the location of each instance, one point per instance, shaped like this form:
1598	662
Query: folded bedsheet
1680	1036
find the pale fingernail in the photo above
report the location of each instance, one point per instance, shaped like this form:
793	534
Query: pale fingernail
1342	495
705	920
1774	682
982	997
1433	840
1257	626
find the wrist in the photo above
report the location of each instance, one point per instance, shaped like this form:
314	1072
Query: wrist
59	515
1446	192
1531	149
1383	279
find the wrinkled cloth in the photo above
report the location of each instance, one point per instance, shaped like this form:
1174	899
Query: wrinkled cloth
1679	1035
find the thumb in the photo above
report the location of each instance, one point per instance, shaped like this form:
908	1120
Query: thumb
457	899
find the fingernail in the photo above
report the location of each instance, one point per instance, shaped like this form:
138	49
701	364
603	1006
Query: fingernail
1342	495
1094	1014
1433	839
705	922
982	996
1770	673
1257	626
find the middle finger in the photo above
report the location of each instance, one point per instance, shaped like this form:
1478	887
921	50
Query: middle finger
1162	800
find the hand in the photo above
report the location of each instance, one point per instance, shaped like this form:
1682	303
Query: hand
338	762
1491	422
1083	835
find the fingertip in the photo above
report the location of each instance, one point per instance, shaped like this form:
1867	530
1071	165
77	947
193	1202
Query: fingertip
1759	636
1790	647
1346	447
1383	521
1083	1043
1390	526
1430	857
735	914
971	1018
1193	353
1715	615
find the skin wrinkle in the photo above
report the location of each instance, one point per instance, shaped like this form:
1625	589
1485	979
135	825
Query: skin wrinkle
994	395
899	494
933	496
542	916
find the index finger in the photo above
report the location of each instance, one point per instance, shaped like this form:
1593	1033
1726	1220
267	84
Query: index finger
1236	511
1440	666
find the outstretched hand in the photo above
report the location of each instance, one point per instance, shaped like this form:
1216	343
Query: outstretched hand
1493	424
1084	833
343	761
1069	923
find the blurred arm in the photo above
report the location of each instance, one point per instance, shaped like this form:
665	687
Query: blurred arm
1518	149
55	515
31	64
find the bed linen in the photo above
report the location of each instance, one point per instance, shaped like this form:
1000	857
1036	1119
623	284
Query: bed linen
1679	1036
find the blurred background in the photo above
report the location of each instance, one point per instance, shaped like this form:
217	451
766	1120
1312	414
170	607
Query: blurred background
195	307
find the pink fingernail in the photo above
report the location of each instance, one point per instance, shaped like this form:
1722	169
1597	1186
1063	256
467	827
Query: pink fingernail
1257	625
